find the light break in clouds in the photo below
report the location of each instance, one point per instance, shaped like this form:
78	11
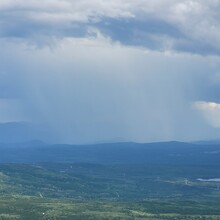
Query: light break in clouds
210	111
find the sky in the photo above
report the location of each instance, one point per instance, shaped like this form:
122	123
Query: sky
94	71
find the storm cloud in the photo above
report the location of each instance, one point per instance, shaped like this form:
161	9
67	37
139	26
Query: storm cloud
186	26
94	71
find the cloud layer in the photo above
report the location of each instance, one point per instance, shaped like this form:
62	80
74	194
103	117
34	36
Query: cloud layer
186	26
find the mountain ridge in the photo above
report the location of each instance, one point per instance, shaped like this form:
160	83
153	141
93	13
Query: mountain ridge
112	153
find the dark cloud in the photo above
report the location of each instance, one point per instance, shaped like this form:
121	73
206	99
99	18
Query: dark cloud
169	25
139	32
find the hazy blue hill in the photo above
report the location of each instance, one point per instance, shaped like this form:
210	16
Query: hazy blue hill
169	153
14	132
208	142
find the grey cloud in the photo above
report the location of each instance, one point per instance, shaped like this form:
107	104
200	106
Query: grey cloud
148	33
186	26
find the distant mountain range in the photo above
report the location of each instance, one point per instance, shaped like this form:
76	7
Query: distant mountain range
208	142
167	153
14	132
18	143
